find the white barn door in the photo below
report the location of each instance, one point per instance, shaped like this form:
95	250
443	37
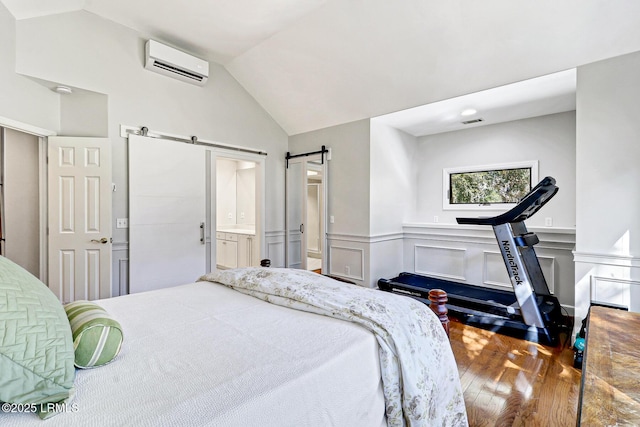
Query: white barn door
301	224
167	210
296	213
79	180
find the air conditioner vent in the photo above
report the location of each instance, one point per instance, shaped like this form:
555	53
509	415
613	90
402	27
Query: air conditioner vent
171	68
468	122
174	63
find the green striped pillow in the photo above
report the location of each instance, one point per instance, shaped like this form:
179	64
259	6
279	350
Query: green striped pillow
97	337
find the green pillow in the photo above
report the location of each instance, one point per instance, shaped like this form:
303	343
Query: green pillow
97	338
36	349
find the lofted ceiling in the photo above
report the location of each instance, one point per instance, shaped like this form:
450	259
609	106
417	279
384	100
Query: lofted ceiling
318	63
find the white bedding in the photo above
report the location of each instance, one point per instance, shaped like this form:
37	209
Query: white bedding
203	354
420	378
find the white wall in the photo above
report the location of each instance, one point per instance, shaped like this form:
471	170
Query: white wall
21	189
348	194
103	63
22	99
348	173
393	178
84	113
608	172
608	161
549	139
225	192
82	50
246	196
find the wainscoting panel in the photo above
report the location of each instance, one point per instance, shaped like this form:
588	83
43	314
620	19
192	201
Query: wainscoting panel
346	262
495	273
470	254
275	253
616	291
123	276
119	268
275	248
548	267
605	277
440	261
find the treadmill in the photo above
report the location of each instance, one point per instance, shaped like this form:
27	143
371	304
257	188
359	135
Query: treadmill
530	312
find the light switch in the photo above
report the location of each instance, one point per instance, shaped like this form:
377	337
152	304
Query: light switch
122	222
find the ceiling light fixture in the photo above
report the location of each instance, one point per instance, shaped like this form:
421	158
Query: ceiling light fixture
63	90
468	112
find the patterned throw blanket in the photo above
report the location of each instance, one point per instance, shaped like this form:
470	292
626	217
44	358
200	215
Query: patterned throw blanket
419	373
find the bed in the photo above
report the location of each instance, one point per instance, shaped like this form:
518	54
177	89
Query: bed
247	347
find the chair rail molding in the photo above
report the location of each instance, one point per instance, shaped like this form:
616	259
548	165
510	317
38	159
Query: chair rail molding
606	259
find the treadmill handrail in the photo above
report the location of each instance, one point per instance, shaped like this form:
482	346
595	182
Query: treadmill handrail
529	205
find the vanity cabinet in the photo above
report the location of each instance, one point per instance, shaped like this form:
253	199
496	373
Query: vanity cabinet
235	250
246	250
226	250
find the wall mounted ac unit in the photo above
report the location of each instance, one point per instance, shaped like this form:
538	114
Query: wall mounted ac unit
174	63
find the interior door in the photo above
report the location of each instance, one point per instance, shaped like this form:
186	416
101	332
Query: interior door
167	213
299	213
79	212
296	213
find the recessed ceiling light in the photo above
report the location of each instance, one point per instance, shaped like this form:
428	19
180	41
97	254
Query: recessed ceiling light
63	90
468	112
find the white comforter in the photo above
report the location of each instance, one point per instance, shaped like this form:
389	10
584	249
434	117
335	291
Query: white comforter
419	374
205	355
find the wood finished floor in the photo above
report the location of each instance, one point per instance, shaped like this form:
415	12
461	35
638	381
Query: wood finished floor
512	382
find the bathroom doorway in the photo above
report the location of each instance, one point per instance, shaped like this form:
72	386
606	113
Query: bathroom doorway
237	217
306	211
315	216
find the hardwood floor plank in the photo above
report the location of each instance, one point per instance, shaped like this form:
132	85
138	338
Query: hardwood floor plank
511	382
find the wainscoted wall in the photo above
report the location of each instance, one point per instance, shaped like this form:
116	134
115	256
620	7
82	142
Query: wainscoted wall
348	257
607	278
365	259
275	248
466	254
470	254
119	268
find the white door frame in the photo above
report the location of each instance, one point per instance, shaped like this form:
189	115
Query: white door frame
42	135
260	161
324	157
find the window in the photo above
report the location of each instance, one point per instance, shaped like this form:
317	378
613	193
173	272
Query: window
488	187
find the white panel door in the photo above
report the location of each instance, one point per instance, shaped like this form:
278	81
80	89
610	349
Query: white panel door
79	181
296	213
167	208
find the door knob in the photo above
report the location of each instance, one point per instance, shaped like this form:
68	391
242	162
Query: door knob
103	240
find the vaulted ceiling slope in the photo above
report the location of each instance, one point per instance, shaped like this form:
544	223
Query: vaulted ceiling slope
318	63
